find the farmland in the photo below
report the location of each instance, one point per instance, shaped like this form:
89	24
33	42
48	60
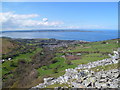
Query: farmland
40	58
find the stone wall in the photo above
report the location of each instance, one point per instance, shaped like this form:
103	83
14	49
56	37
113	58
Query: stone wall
86	78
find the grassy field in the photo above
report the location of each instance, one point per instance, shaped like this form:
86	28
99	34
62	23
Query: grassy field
97	47
93	51
10	65
56	69
96	51
90	58
90	52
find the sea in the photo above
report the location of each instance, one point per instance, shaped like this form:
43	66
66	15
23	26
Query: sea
94	35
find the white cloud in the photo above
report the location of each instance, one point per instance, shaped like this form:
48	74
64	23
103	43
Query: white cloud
94	26
11	21
45	19
10	15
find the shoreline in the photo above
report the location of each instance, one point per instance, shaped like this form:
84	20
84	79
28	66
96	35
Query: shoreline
58	30
57	39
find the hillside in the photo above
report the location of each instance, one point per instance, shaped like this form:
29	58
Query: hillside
8	45
30	66
93	59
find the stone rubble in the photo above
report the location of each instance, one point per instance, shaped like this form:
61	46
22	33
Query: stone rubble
85	78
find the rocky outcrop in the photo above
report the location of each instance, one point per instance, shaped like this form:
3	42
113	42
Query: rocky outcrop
83	77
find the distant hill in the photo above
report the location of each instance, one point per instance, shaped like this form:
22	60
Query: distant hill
48	30
8	45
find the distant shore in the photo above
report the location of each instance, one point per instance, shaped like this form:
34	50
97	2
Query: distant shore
68	34
52	31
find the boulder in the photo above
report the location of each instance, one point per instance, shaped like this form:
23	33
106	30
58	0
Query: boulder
86	83
92	79
104	85
113	85
103	76
97	85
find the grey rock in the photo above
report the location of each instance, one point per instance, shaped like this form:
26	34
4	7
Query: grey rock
86	78
113	86
104	85
86	83
97	85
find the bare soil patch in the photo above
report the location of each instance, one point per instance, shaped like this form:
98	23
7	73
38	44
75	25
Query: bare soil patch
72	57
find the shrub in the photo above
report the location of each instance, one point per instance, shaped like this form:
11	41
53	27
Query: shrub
55	70
12	64
103	42
54	61
68	62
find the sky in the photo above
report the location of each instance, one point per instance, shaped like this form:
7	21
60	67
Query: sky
60	0
59	15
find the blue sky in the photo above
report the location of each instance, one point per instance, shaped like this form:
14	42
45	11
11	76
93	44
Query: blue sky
60	15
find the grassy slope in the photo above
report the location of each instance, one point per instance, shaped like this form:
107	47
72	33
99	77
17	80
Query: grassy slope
97	46
8	45
104	68
6	66
86	57
95	51
91	56
61	65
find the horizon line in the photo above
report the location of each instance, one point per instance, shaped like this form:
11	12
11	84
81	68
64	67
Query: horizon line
56	29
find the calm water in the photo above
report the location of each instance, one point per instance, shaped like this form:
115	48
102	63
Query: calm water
87	36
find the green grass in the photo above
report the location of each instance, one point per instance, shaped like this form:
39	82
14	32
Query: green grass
61	65
97	46
27	56
6	66
92	51
89	58
92	56
59	54
95	51
105	68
